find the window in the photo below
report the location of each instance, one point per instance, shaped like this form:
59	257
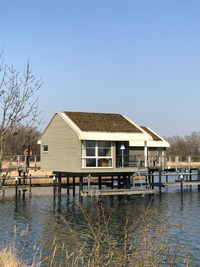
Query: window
96	154
45	148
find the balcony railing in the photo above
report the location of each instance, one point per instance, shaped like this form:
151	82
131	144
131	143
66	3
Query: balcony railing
157	161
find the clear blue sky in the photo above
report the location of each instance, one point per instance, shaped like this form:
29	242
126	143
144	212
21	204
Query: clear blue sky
139	58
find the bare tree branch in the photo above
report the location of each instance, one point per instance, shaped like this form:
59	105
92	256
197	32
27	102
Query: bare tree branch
18	101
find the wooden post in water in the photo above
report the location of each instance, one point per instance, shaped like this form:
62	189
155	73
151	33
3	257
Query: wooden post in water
59	185
23	193
74	186
129	182
124	181
181	179
152	180
16	187
30	184
54	186
68	186
198	177
99	182
119	182
112	180
166	178
149	177
80	188
160	180
24	178
190	178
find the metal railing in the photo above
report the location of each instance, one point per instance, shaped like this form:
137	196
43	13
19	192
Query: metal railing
156	161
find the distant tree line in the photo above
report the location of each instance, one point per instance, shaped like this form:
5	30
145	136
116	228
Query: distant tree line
16	141
184	146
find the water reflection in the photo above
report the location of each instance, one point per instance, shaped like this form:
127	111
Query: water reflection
64	219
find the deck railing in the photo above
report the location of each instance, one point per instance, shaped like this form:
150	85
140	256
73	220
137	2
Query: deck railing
20	161
157	161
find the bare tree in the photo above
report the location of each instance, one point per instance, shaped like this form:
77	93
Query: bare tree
18	102
184	146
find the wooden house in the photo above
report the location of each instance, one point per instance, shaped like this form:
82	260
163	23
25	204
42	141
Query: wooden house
83	142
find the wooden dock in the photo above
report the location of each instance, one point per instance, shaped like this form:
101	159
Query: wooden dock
138	180
117	192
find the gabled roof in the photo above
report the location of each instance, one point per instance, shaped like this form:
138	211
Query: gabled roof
110	127
154	136
102	122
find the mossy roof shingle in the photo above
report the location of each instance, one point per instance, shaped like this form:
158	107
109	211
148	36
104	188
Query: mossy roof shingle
153	135
102	122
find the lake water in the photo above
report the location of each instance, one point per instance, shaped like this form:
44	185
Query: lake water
37	222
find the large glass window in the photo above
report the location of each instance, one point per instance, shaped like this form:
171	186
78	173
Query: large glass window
96	154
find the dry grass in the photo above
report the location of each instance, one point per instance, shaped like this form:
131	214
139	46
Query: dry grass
8	258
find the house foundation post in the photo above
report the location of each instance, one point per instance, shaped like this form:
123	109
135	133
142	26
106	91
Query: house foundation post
152	180
119	182
74	186
166	178
68	186
54	186
160	180
112	180
190	178
80	188
16	187
124	181
99	182
59	184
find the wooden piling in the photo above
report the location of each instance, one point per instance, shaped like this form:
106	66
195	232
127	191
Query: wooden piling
23	193
198	177
152	180
181	185
30	184
124	181
74	186
59	184
99	182
112	182
68	186
24	178
149	177
80	188
160	180
119	182
190	178
16	187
